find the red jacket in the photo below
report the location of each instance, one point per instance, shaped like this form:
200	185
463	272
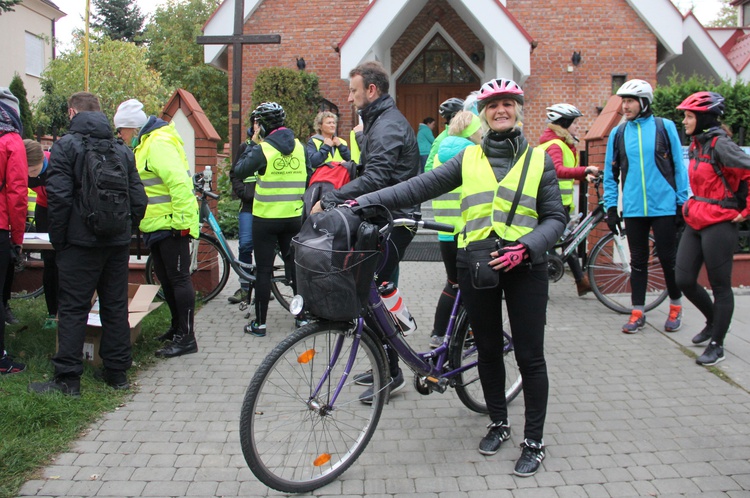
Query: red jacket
563	173
704	182
41	189
14	173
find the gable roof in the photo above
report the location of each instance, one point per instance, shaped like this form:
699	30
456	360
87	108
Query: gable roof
182	99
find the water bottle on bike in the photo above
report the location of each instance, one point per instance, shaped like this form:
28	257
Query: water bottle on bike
395	304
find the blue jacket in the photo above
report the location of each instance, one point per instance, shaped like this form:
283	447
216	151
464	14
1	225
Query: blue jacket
425	138
646	193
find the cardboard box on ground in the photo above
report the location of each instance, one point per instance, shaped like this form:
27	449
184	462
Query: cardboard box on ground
140	304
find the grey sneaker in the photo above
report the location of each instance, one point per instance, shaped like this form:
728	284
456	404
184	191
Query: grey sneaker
713	354
637	322
436	341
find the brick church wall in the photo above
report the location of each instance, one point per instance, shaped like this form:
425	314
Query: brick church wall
622	44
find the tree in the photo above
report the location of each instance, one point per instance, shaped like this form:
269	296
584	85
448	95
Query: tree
7	5
118	71
118	19
727	17
297	92
18	89
174	54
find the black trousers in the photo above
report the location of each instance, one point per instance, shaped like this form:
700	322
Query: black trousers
268	232
172	267
83	270
713	246
665	239
448	251
526	295
49	276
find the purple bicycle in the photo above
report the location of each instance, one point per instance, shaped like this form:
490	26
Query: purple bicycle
302	424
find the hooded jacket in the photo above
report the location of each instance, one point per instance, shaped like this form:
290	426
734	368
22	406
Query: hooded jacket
645	192
64	184
503	151
704	182
425	138
14	193
161	161
253	160
389	155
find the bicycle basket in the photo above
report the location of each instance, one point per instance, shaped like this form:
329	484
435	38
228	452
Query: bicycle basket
334	284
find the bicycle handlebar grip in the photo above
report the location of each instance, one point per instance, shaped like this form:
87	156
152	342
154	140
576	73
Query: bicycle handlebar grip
212	195
440	227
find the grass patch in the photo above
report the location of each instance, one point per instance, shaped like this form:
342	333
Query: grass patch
35	428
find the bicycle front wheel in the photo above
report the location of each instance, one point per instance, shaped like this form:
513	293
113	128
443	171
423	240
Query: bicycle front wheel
209	273
609	274
464	350
300	431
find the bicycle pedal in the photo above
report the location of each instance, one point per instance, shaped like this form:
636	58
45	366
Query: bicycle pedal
439	384
247	315
243	305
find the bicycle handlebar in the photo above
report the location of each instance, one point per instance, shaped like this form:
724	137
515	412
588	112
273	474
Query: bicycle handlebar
430	225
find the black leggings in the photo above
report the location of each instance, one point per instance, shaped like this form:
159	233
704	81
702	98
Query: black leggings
5	266
526	295
172	266
714	246
665	238
449	251
267	233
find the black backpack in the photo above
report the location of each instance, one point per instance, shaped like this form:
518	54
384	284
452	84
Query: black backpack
662	154
104	196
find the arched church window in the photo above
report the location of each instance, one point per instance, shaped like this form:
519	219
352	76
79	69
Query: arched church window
438	63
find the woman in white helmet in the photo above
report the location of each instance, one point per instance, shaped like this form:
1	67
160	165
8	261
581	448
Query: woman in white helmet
560	143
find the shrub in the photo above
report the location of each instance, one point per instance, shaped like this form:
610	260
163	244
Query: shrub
228	207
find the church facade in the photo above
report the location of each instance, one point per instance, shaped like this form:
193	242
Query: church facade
574	51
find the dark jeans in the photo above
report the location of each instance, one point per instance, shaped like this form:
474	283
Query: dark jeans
172	266
713	246
83	270
665	238
267	232
526	295
5	266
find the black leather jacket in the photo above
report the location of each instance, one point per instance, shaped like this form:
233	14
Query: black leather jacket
388	152
502	152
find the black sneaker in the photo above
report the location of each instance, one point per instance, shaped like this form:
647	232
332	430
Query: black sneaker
397	383
704	334
713	354
10	318
255	329
532	454
182	344
8	366
166	336
116	379
498	432
363	379
65	385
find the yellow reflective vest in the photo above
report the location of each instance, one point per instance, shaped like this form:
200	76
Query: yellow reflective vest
32	204
335	155
485	203
165	173
447	207
278	192
354	146
569	161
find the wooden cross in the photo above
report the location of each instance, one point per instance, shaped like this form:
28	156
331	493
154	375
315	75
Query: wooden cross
237	40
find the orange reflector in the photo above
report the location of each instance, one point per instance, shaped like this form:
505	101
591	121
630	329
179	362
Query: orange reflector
306	356
322	459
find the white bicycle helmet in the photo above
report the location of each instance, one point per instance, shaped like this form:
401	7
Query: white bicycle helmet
637	89
500	87
562	111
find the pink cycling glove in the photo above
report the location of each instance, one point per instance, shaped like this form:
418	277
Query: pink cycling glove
512	256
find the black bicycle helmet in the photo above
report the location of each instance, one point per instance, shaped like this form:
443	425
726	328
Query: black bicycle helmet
450	107
269	115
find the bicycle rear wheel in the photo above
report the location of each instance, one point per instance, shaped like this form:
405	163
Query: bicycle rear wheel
463	351
28	282
295	436
211	271
609	274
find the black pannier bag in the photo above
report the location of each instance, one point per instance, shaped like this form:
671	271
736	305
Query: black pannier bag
336	254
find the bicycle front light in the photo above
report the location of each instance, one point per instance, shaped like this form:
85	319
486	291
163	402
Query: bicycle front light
295	307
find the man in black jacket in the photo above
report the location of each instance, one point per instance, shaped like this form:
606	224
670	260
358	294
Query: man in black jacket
87	262
390	155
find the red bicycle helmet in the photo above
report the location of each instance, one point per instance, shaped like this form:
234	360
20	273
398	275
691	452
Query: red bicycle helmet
709	102
500	87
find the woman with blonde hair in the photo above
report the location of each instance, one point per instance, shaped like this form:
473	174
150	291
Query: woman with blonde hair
325	146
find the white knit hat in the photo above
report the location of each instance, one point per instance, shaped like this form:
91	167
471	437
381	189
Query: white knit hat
8	98
130	115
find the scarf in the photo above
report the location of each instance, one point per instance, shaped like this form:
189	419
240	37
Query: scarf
9	120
